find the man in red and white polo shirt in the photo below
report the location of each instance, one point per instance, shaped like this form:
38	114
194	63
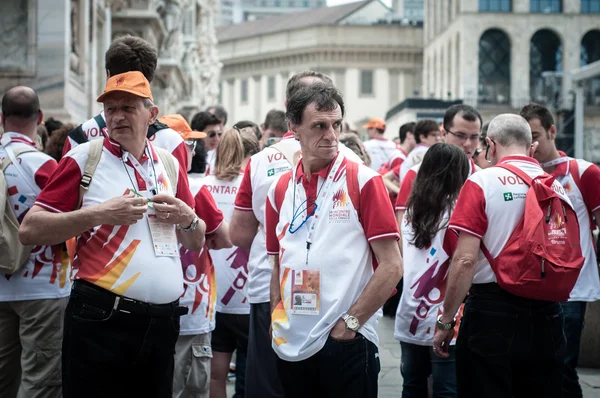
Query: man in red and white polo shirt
581	181
128	54
462	126
32	299
383	152
123	314
427	133
507	345
333	237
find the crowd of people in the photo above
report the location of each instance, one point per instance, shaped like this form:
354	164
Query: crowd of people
140	253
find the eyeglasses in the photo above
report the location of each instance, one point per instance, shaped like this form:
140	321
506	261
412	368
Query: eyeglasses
488	150
213	134
477	152
463	137
191	145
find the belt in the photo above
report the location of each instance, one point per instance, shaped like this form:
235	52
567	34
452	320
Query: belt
127	305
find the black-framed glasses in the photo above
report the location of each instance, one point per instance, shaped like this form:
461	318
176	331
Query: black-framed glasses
477	152
463	137
213	134
487	150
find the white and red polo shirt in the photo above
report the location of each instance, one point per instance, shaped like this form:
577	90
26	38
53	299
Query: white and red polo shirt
490	206
231	265
581	181
200	291
46	275
340	251
262	169
119	258
425	275
414	158
383	152
166	138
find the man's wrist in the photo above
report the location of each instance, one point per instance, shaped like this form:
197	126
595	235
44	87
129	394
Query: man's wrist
188	222
446	318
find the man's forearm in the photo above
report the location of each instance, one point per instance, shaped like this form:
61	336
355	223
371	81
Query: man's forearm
243	228
377	292
41	227
275	286
193	240
390	185
458	284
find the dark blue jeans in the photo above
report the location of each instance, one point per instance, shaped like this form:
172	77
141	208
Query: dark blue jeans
113	354
574	312
418	362
509	346
346	369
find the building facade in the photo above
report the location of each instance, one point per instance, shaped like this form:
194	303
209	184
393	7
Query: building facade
238	11
375	66
57	47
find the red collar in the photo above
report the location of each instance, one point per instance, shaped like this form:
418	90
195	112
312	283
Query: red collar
323	173
21	138
562	169
519	158
287	135
380	138
115	148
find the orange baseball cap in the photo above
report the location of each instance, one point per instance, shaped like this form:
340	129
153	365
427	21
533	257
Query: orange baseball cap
375	123
130	82
179	124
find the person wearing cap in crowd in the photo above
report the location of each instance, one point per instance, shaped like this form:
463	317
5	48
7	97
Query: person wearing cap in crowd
190	137
209	123
382	151
122	320
128	54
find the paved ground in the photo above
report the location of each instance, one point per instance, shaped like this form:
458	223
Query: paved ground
390	380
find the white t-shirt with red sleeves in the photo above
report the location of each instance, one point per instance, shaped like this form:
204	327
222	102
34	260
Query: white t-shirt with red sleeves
425	276
119	258
340	252
414	157
200	292
231	265
382	151
585	197
167	139
46	275
486	210
262	169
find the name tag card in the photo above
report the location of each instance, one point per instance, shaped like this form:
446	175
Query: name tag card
306	292
164	236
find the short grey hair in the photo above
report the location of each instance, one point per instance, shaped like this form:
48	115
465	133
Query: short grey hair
509	129
148	103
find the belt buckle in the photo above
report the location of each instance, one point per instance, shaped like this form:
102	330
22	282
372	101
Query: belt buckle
116	305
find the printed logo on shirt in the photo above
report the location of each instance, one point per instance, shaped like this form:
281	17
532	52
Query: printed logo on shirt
507	196
340	199
276	170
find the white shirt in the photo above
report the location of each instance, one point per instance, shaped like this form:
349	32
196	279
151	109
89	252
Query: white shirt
381	151
414	157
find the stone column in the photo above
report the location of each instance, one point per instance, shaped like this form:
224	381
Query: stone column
571	60
520	6
519	68
257	80
395	89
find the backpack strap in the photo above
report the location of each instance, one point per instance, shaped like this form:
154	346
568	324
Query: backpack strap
12	159
515	170
287	150
281	188
574	172
353	185
94	155
167	161
154	128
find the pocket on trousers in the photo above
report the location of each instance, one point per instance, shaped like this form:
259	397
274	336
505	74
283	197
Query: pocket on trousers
199	376
356	339
490	333
89	313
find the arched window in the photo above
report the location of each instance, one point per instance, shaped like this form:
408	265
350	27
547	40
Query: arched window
494	67
545	56
590	52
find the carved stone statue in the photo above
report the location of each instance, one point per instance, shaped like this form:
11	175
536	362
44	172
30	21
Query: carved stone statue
14	35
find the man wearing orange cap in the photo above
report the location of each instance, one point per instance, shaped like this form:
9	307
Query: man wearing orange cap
122	320
383	152
189	136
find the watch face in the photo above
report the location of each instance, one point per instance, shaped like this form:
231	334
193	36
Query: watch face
352	323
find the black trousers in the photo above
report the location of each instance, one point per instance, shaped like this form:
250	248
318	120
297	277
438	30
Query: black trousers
114	354
509	346
347	369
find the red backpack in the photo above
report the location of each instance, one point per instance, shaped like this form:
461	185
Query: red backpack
542	258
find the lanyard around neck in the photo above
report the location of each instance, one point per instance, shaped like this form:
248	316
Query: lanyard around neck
555	162
148	175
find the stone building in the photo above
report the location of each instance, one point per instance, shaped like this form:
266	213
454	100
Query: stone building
57	47
375	65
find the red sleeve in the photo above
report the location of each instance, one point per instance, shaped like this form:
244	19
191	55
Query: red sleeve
271	221
43	174
376	212
396	163
469	213
61	193
396	169
243	200
183	189
180	154
450	242
590	188
207	210
405	189
67	146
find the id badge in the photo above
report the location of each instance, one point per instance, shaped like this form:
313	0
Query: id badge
164	236
306	292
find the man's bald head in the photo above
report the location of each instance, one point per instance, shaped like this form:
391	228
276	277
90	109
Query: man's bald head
21	104
305	79
509	130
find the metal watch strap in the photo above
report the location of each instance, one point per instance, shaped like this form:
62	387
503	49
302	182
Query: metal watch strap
192	226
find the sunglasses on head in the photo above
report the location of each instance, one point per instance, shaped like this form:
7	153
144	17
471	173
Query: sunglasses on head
213	134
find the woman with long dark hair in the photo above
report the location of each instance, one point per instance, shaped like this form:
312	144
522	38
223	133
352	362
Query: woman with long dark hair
427	248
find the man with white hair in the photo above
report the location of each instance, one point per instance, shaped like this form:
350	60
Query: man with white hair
508	345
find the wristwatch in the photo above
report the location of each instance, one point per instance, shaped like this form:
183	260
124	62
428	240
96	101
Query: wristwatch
192	226
445	326
351	322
